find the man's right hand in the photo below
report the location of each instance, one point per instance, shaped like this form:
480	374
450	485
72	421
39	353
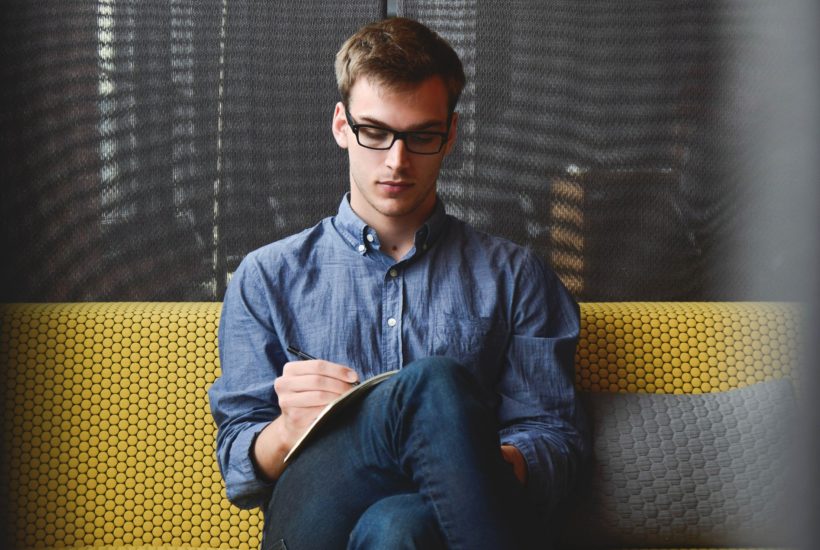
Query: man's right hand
303	390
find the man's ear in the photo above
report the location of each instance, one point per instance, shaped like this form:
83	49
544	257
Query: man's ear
451	137
339	126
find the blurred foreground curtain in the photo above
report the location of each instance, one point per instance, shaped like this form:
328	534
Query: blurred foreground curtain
148	146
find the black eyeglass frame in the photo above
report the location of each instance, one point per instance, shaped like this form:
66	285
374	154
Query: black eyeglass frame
398	135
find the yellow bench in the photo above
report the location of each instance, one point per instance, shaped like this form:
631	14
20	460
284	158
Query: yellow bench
108	438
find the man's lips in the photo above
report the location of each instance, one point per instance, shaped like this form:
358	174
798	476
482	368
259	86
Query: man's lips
394	185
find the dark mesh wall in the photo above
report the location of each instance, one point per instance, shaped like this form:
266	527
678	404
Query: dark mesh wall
281	169
148	146
593	135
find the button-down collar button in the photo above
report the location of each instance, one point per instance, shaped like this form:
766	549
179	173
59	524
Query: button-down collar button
394	273
361	248
370	237
391	322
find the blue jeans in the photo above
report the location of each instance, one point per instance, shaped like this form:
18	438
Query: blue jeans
415	464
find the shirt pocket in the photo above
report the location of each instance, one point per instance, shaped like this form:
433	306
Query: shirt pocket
471	342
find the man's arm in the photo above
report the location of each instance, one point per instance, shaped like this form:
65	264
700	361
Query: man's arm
260	407
538	412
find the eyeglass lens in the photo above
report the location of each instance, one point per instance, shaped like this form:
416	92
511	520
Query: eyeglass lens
416	142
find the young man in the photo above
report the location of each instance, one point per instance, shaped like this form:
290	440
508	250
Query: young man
479	429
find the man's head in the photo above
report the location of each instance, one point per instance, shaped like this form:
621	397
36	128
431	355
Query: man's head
399	83
398	53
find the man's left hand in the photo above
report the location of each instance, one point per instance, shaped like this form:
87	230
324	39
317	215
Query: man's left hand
514	457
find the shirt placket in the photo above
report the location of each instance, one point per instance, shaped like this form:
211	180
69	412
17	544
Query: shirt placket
392	314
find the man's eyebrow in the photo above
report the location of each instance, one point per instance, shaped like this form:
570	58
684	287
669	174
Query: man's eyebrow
421	127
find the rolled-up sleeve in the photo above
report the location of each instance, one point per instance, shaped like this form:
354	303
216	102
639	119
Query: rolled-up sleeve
538	412
243	400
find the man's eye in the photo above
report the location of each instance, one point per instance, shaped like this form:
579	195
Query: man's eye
423	139
376	134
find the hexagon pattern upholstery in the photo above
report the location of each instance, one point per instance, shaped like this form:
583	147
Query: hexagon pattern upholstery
689	470
109	433
684	347
108	438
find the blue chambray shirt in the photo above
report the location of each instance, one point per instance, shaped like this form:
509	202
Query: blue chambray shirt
329	290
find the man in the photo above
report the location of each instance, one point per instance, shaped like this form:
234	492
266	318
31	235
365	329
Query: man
480	427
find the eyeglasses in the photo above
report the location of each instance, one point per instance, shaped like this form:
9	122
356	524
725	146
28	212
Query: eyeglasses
381	139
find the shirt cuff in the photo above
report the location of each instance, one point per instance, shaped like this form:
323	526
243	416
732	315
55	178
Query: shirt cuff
244	485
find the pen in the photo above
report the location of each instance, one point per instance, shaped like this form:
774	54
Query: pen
306	357
300	354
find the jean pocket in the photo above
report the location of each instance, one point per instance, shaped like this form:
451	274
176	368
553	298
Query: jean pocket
278	545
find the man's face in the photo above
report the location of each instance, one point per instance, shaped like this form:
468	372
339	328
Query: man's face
394	185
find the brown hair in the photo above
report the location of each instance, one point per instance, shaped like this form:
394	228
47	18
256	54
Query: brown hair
397	52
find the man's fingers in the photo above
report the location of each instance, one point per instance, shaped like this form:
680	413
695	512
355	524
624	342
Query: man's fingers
306	399
306	387
309	383
321	368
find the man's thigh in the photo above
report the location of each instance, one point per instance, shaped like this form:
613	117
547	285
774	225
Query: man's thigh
343	470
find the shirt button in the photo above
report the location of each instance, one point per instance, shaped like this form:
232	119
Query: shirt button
394	273
361	248
391	322
370	237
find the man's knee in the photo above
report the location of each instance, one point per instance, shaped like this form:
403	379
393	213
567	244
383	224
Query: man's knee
398	522
445	378
440	371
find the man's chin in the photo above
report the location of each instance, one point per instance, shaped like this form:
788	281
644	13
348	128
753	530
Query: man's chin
397	207
394	208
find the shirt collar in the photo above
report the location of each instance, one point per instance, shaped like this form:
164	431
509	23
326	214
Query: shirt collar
361	236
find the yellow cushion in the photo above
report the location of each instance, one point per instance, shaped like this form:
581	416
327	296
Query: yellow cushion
685	347
110	438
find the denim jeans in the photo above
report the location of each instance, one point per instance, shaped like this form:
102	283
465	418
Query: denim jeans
415	464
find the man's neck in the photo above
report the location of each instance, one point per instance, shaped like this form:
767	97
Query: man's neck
397	234
396	242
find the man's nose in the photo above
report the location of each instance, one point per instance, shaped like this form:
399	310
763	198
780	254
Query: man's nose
398	155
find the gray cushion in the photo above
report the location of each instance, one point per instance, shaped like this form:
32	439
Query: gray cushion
687	470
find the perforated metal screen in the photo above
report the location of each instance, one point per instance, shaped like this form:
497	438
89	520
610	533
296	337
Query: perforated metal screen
148	146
